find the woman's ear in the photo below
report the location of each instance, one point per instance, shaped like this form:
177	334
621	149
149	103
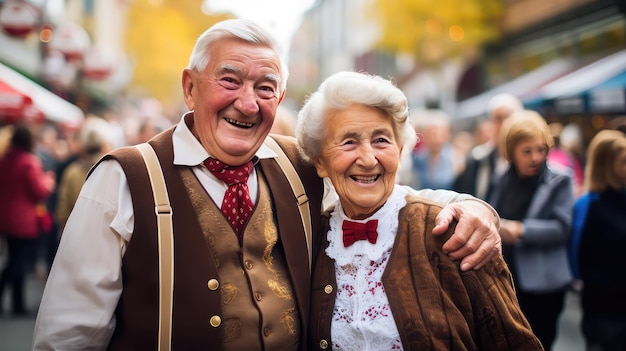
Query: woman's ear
321	170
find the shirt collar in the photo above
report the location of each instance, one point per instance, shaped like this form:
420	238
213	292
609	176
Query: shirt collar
189	152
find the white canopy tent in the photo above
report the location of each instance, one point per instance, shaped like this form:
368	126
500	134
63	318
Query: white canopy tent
54	108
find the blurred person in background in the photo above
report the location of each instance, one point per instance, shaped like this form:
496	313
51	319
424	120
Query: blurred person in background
485	162
535	205
284	123
52	151
24	186
598	241
484	133
568	153
380	280
437	162
147	129
241	280
95	138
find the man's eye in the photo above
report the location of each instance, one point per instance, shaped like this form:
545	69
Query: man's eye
266	92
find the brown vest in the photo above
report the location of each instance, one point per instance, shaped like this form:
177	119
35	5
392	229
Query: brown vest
257	297
195	302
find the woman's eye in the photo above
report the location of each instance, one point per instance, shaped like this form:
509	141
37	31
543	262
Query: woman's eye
381	140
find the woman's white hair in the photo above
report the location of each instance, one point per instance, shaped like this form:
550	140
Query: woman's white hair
241	29
343	89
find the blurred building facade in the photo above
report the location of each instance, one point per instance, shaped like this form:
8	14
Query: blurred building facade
73	48
564	58
541	43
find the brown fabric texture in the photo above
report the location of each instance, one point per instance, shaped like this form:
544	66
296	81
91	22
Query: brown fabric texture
434	304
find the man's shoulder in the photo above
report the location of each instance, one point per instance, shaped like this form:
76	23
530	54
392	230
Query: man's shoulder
482	151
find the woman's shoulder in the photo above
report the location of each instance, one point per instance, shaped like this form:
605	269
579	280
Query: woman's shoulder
420	201
557	175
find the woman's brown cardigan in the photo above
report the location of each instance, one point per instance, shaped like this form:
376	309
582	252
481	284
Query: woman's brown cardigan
434	304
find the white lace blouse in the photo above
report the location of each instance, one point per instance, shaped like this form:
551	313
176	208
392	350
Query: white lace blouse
362	319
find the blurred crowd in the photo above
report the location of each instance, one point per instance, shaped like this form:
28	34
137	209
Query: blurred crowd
42	170
533	173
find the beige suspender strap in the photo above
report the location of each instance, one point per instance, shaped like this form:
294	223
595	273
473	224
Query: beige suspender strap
298	190
165	244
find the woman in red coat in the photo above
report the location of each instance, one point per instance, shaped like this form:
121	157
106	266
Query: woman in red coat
23	186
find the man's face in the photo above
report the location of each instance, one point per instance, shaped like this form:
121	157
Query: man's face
498	116
234	99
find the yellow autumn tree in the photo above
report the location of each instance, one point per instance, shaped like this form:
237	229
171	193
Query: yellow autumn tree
430	31
160	37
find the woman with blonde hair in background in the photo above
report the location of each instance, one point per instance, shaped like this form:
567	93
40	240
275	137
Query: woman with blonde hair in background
598	239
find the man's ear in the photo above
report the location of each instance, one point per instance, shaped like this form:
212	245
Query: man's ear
188	85
282	95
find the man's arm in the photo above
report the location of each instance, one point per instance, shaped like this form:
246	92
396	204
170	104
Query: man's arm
476	239
85	282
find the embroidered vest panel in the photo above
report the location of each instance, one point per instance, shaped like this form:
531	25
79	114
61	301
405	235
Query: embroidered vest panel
258	305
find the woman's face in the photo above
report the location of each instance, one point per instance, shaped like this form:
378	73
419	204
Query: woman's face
529	155
360	154
619	167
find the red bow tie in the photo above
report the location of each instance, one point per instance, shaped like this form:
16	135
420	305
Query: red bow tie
353	231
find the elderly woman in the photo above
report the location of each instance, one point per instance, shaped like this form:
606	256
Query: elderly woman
380	280
535	204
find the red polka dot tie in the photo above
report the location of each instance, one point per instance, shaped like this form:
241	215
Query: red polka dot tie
237	205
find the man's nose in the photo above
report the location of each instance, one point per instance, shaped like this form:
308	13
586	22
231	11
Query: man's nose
246	102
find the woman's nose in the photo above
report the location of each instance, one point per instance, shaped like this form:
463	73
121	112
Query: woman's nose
367	156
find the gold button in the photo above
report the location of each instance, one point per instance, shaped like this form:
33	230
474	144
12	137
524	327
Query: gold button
215	321
257	296
213	284
323	344
267	331
328	289
248	264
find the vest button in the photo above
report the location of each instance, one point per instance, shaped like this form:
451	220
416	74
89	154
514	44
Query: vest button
215	321
267	331
257	296
213	284
323	344
248	265
328	289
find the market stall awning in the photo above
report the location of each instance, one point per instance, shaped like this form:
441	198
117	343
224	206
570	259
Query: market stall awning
523	86
599	87
53	107
15	106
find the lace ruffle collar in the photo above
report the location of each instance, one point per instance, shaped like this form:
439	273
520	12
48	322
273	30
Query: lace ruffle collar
387	217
